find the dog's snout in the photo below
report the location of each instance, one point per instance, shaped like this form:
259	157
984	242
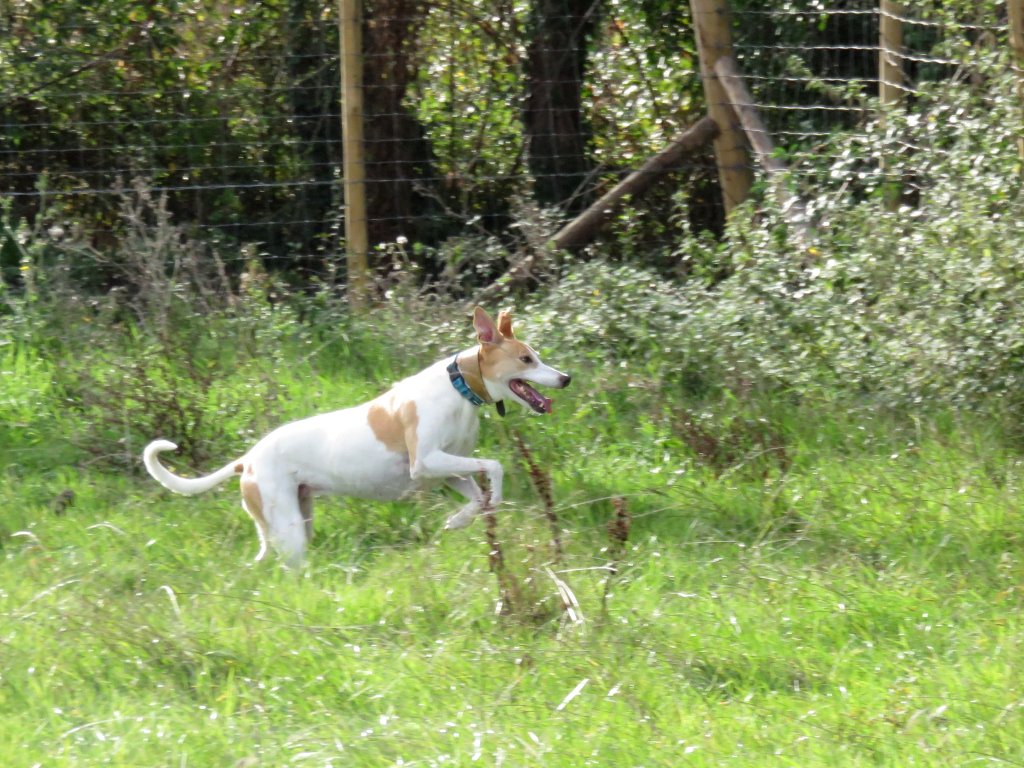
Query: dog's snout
566	380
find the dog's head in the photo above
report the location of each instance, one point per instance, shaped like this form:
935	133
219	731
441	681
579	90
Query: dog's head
509	366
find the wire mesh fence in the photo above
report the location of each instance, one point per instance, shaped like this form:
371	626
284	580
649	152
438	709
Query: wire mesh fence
479	115
816	70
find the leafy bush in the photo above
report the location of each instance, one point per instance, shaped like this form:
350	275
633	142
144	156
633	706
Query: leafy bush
144	351
912	307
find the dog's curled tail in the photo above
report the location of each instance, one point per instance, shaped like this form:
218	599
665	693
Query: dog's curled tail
173	482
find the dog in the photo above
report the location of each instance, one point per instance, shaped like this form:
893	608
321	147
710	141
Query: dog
419	433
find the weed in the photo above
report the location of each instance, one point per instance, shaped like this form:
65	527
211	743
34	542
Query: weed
618	535
739	443
510	600
541	481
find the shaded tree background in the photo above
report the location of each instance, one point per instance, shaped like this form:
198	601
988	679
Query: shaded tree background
477	111
400	172
557	131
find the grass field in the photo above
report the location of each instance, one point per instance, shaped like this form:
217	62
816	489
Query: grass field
849	595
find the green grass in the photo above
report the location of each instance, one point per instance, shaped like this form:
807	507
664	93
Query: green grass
862	608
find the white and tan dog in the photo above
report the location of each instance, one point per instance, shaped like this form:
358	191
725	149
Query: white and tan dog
417	434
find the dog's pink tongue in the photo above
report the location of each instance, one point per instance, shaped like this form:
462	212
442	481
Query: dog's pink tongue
540	403
535	399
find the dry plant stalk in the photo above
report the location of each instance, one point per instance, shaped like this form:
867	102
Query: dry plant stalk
508	588
542	484
618	534
156	259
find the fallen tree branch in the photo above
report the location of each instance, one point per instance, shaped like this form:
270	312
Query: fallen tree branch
584	227
519	273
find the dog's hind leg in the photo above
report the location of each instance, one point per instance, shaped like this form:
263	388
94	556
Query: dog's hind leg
286	523
306	507
252	502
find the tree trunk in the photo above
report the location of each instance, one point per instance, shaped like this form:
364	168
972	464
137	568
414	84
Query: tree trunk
557	135
398	154
310	101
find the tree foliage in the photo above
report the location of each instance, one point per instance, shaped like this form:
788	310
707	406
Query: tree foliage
183	93
477	111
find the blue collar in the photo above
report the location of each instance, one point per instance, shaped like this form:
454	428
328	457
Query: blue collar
463	388
460	383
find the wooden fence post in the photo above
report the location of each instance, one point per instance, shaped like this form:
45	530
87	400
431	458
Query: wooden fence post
890	81
711	23
1016	13
890	52
353	164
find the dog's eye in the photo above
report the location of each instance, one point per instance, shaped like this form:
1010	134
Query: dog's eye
526	359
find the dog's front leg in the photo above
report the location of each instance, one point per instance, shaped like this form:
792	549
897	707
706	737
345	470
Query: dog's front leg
467	487
458	472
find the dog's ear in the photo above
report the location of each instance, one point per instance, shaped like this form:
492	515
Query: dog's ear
505	324
486	331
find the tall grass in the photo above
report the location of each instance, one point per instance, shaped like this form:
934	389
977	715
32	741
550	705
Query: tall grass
858	603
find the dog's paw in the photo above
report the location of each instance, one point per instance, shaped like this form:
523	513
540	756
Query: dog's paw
462	518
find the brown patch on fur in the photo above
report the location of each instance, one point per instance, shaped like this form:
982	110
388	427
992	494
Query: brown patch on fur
239	467
387	428
469	367
411	421
505	324
251	498
502	359
396	429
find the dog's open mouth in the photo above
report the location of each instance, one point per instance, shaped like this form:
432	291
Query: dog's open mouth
530	396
